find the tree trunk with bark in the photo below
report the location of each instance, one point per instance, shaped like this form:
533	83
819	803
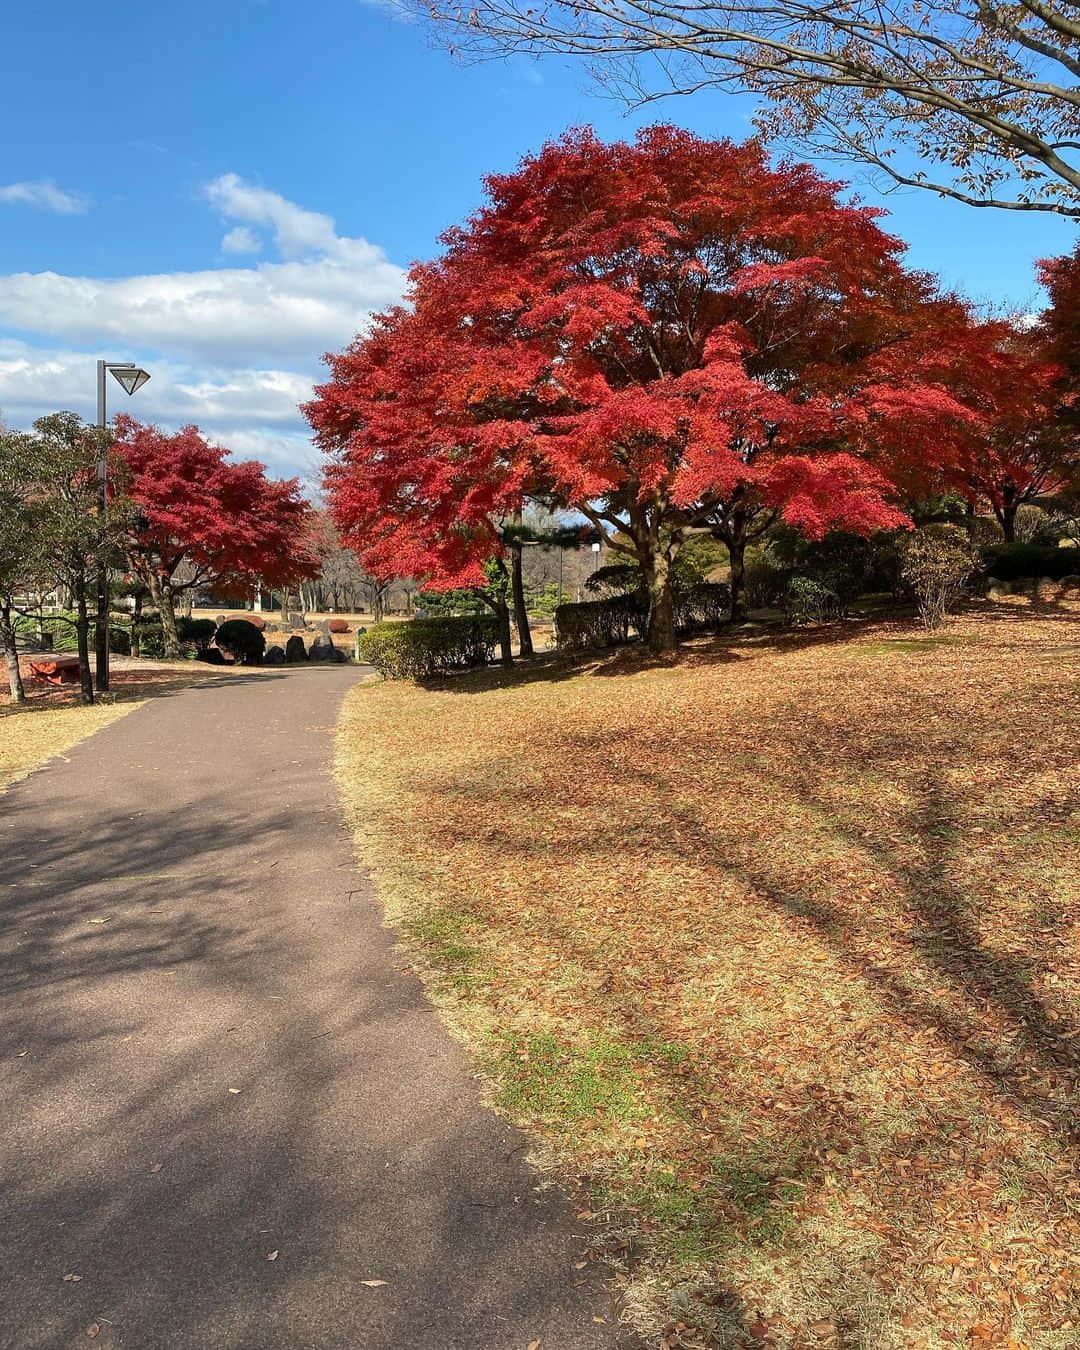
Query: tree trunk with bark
660	633
735	536
11	653
161	593
82	638
521	613
136	618
506	636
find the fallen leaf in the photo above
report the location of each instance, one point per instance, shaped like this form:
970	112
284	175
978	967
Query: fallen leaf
72	1278
533	1345
272	1256
235	1091
373	1284
155	1167
93	1331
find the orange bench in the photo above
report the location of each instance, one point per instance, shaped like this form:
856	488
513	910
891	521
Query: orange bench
55	669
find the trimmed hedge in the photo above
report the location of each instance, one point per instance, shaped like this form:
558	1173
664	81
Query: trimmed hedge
421	648
610	622
599	623
702	608
1017	562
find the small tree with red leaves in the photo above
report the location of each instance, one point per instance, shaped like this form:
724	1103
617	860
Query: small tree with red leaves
669	337
225	523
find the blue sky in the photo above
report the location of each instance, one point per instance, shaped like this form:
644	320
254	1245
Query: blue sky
225	190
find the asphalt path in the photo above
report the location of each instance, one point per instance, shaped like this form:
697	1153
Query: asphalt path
228	1116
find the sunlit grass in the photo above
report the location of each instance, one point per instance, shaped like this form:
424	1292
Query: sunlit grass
778	950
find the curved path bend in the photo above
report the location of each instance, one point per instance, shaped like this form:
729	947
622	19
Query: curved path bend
223	1105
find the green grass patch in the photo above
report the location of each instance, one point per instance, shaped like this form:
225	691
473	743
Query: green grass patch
561	1083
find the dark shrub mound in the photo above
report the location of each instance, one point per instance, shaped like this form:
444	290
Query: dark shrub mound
322	649
337	626
424	647
211	656
197	633
242	640
275	656
295	651
1014	562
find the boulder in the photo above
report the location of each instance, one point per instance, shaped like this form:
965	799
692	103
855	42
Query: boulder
295	621
341	656
322	649
295	651
275	656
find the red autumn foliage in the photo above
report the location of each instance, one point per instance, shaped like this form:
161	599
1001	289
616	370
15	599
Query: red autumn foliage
205	519
669	337
1025	444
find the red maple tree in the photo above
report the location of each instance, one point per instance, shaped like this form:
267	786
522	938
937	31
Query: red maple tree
1025	442
204	519
668	337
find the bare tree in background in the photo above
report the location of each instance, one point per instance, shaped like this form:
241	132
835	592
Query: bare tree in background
973	99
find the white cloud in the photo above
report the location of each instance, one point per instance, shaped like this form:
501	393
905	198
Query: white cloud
254	412
241	240
44	193
234	349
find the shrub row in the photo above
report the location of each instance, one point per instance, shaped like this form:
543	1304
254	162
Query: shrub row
420	648
700	608
1015	562
599	623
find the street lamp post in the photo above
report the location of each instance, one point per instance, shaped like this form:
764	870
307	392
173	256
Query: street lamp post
129	377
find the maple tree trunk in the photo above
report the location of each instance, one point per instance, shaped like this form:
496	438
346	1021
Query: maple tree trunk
660	633
162	595
506	636
1007	520
82	638
736	547
11	652
521	613
136	616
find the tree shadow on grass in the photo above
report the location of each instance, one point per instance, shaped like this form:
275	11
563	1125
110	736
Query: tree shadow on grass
721	649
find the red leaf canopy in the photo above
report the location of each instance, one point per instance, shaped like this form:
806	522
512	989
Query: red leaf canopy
231	524
667	336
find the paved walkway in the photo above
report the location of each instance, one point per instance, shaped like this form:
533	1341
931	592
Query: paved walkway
223	1106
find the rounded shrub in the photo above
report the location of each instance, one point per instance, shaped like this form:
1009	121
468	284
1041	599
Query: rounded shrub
196	633
337	626
242	640
810	600
422	648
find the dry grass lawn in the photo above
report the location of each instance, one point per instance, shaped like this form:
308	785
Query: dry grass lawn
778	951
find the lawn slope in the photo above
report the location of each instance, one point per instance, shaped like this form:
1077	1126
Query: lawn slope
777	949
